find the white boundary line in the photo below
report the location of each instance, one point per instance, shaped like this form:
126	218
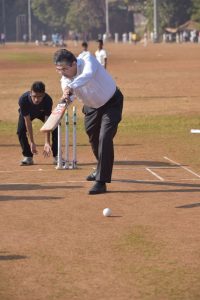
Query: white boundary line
156	175
185	168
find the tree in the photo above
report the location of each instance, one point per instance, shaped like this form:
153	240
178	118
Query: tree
85	15
196	10
51	12
171	13
12	10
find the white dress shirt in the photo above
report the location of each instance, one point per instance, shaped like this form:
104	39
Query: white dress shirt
83	53
92	83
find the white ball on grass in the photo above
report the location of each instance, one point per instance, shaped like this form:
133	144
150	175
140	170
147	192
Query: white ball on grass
107	212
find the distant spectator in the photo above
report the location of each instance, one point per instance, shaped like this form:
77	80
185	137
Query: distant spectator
25	38
152	36
145	39
185	36
177	38
86	36
134	38
101	54
99	36
124	37
3	38
105	37
61	42
76	39
55	39
44	39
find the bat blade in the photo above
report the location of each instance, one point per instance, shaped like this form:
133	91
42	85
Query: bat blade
55	117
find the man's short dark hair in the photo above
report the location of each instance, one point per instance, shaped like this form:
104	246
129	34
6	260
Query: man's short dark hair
64	56
38	87
84	44
100	41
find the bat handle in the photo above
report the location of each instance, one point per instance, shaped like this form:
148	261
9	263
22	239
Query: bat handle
66	100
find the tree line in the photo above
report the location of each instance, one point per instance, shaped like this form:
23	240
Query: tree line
88	16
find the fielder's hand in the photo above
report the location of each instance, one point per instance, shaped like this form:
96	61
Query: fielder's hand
47	150
33	148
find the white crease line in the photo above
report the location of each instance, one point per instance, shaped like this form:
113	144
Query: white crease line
156	175
152	167
185	168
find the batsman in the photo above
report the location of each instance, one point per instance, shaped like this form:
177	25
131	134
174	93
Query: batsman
102	106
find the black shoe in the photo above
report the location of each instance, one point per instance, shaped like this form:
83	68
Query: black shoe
98	188
92	176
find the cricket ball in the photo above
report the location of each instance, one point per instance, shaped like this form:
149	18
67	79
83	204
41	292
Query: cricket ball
107	212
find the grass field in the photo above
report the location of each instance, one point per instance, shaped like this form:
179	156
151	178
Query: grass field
55	243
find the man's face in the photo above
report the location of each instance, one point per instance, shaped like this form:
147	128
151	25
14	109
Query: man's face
68	71
37	97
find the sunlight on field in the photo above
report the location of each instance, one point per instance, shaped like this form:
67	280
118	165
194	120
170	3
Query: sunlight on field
55	242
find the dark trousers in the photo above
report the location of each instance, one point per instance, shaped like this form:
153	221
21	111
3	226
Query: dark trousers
22	136
101	126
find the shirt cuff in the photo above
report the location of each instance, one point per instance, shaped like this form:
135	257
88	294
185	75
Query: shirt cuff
73	85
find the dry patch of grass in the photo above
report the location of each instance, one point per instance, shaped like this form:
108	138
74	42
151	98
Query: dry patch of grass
146	265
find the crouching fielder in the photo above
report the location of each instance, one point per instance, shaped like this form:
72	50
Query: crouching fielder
35	104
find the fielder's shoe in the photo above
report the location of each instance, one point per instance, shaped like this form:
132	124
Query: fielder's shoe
92	176
98	188
27	161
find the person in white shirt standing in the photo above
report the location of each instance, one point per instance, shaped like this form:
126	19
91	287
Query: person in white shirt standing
103	103
101	54
85	50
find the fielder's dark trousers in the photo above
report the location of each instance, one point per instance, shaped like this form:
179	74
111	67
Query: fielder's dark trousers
23	139
101	126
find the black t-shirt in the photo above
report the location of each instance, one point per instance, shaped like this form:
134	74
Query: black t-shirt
39	111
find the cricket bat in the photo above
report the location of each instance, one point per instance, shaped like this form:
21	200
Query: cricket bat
56	116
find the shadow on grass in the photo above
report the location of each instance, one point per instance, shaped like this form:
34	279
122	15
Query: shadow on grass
24	187
192	205
12	257
188	187
156	191
160	183
29	198
145	163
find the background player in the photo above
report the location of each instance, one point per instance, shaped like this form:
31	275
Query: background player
101	54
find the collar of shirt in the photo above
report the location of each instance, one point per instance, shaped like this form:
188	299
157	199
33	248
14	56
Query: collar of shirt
92	83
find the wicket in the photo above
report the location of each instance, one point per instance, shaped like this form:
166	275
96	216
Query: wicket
67	163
